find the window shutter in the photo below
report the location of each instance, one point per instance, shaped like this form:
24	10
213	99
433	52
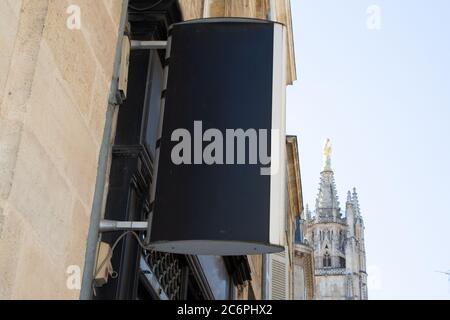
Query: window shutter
279	285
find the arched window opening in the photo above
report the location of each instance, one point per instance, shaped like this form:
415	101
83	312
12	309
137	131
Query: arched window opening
327	260
342	262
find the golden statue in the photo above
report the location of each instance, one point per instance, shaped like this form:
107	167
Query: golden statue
327	155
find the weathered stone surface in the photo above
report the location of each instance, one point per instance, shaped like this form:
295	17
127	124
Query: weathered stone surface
22	67
54	85
76	245
38	276
16	87
191	9
41	195
61	129
8	31
99	104
15	5
11	238
262	9
74	59
115	9
255	263
10	134
216	8
100	31
240	8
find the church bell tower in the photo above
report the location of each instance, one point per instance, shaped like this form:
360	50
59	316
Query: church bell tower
337	240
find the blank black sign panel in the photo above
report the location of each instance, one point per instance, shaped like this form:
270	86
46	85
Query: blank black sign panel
221	74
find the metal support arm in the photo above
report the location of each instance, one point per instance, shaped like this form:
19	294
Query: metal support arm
148	45
111	225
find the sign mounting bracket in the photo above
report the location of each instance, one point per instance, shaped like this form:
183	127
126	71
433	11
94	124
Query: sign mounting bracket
112	225
148	45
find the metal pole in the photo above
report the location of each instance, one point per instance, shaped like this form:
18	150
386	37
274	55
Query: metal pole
265	277
111	225
148	45
96	212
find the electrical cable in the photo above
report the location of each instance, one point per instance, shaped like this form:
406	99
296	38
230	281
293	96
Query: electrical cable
145	8
111	252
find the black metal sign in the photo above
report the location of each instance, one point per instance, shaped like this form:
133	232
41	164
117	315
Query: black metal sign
219	186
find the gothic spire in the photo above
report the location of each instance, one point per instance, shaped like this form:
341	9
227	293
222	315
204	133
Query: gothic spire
327	204
349	210
355	202
349	197
307	212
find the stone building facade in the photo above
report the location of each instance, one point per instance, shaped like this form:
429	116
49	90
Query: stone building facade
303	261
65	136
301	271
336	240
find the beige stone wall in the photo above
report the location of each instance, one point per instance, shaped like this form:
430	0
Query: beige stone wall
299	281
303	273
255	263
54	86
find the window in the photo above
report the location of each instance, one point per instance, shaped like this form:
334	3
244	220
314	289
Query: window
341	262
327	260
217	276
298	230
